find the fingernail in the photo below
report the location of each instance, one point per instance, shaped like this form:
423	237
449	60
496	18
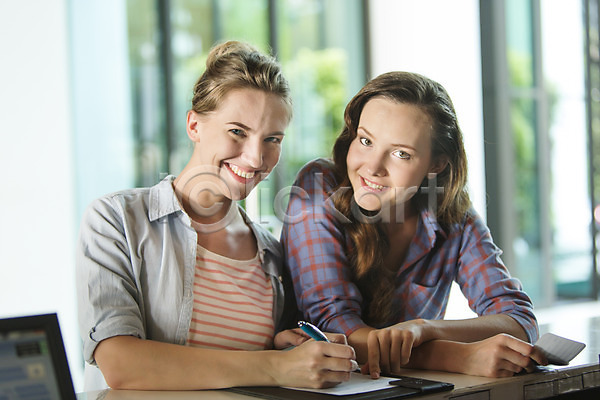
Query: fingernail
354	365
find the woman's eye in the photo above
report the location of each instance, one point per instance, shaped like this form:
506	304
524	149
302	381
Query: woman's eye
401	154
364	141
237	132
273	139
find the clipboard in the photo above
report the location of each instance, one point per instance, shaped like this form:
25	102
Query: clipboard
279	393
398	387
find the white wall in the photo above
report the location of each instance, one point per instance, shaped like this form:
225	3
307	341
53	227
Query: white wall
103	143
37	202
441	40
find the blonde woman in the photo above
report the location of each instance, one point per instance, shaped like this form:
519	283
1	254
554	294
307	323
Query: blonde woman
177	288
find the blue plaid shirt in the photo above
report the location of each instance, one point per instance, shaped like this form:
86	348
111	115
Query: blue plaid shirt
313	238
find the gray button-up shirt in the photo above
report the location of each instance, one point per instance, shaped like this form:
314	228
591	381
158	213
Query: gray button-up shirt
135	268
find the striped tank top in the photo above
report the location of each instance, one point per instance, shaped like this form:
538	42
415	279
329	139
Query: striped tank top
233	304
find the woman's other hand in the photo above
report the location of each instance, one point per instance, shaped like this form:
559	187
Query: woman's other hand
390	348
499	356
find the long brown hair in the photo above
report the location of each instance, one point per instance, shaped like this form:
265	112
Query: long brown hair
368	243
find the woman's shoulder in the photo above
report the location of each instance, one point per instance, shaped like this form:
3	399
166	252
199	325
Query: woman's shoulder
471	228
133	201
118	199
317	170
322	165
471	221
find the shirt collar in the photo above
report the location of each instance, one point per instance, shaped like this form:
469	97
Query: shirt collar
264	241
430	227
163	202
162	199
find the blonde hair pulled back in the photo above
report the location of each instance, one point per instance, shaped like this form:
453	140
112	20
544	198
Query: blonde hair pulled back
237	65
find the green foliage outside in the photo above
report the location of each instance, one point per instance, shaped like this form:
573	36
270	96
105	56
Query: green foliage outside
523	116
318	79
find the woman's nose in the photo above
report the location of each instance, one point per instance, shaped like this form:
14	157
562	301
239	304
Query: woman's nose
376	166
253	154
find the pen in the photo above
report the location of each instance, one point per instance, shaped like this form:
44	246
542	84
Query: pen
312	331
319	336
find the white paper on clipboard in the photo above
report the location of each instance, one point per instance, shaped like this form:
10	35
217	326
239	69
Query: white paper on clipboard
358	383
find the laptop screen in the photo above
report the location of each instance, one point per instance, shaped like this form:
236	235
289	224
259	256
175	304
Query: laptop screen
33	363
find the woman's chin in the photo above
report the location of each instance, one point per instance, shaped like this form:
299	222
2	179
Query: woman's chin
368	201
368	208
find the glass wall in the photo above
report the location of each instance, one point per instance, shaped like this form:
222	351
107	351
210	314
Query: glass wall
525	102
146	91
320	44
592	41
543	167
570	206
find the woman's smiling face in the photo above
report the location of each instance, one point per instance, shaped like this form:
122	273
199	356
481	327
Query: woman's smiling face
240	142
390	155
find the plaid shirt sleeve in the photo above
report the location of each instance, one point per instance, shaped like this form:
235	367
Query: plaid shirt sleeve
313	239
485	281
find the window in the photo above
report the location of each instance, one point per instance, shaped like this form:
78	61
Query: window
320	44
538	171
592	41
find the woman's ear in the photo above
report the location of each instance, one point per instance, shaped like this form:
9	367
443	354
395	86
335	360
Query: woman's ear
193	125
439	165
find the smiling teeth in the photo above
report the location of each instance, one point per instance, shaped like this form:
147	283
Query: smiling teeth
373	185
239	172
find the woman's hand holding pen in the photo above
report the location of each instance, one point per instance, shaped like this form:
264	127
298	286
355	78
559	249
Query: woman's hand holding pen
323	362
316	364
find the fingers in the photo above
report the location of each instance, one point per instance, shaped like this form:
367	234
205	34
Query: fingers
374	355
289	337
538	356
336	350
501	355
388	350
385	347
327	364
494	365
515	344
516	359
531	354
396	357
408	342
337	338
365	369
337	364
327	379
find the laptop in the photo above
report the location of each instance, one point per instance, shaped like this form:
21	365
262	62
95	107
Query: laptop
33	362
